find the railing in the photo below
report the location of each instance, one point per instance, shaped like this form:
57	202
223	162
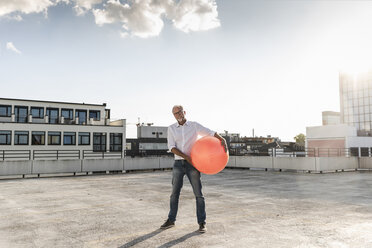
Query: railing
56	154
101	154
309	152
89	154
15	154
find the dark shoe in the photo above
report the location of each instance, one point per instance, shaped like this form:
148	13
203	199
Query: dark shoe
167	224
202	228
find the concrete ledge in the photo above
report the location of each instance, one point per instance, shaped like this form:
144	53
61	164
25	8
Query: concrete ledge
254	162
144	163
56	166
294	163
336	163
15	167
166	162
102	165
365	163
232	162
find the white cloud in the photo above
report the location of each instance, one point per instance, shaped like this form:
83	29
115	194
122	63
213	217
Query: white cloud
195	15
10	46
25	6
144	18
82	6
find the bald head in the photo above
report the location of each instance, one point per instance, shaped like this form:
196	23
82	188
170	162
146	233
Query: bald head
177	108
179	114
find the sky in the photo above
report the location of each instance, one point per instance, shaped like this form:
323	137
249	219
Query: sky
234	65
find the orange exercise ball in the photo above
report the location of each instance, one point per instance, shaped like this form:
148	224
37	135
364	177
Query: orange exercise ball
208	155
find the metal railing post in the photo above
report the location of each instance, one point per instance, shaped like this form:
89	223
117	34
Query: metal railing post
3	155
57	154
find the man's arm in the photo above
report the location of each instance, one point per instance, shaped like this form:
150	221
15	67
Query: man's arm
223	141
181	154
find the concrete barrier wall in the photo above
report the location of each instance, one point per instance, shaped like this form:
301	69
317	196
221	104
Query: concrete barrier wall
231	162
15	168
317	164
56	166
303	163
89	165
253	162
166	162
365	163
144	163
336	163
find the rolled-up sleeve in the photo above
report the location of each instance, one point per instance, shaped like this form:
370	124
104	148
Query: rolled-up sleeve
201	130
171	141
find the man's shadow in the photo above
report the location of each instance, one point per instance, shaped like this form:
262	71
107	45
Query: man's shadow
156	232
142	238
180	240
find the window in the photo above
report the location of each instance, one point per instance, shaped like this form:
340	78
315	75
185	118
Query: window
84	138
69	138
99	142
37	112
5	137
116	141
67	113
38	138
5	110
54	138
52	113
95	114
21	138
21	113
82	115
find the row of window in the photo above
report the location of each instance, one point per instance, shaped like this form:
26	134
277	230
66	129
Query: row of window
357	101
366	126
362	110
358	118
69	138
21	113
356	85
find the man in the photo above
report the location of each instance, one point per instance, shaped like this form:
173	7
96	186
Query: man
181	137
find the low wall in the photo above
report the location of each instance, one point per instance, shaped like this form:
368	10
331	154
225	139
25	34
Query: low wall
56	166
365	163
143	163
336	163
294	163
253	162
15	167
314	164
90	165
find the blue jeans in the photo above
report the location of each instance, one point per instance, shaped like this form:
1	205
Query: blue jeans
180	168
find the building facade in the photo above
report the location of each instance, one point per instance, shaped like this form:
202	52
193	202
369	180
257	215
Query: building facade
330	118
356	101
151	141
47	125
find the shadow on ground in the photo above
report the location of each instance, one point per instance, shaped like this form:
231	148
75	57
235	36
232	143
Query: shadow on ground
156	232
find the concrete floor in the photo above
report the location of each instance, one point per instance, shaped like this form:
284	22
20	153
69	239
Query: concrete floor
244	209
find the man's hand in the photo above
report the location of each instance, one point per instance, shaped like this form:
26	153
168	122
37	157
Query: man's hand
188	159
223	143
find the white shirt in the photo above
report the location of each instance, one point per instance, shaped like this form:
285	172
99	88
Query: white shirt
183	137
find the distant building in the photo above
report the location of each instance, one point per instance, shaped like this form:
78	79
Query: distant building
354	129
49	125
150	141
330	118
356	101
246	145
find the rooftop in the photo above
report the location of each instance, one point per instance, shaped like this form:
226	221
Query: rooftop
245	208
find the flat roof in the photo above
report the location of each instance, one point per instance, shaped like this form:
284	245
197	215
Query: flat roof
27	100
244	208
